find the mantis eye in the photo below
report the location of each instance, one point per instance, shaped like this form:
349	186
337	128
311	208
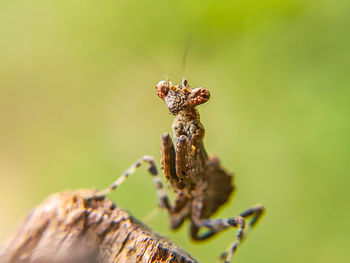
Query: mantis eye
162	89
198	96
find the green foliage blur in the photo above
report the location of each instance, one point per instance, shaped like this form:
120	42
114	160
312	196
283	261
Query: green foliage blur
78	106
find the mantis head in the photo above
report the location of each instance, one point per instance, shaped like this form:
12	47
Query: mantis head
181	97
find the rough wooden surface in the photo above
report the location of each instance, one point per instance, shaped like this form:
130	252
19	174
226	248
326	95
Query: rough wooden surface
76	226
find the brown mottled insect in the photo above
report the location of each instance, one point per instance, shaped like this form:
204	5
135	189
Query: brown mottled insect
200	183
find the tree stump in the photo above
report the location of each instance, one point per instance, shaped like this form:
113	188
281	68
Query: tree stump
79	226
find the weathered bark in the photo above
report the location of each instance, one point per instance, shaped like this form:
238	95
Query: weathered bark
77	226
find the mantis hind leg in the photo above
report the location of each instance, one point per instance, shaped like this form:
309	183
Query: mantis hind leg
217	225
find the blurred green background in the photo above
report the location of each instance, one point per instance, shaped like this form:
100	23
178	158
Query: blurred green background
78	106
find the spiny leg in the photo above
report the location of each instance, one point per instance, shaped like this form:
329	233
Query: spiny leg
186	164
173	170
256	212
175	163
182	156
161	193
217	225
168	158
179	164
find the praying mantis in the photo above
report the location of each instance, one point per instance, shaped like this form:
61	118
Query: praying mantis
200	183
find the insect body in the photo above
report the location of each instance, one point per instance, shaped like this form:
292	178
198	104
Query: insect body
200	183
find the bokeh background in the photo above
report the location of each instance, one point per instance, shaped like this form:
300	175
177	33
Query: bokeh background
77	107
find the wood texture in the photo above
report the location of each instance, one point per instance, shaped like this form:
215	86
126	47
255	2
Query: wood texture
77	226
